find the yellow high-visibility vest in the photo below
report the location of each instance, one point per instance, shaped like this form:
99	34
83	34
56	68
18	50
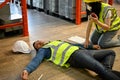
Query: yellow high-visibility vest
60	52
115	20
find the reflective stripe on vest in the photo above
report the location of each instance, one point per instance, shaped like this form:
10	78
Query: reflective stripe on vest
115	20
61	51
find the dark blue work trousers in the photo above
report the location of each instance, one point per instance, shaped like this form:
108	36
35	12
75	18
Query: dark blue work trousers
99	61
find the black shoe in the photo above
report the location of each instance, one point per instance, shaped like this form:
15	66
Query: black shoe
116	72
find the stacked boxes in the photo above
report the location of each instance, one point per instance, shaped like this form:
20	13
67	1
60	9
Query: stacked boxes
38	4
41	4
53	6
71	9
65	8
46	6
6	13
61	7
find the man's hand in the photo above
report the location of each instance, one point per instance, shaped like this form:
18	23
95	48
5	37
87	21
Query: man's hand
96	47
24	75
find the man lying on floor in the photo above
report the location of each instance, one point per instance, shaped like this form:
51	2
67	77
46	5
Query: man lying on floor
66	54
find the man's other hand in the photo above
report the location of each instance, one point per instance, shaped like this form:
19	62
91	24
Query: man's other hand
24	75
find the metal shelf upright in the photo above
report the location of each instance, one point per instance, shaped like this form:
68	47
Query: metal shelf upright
23	22
79	12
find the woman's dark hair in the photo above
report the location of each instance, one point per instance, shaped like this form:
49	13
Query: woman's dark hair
96	8
34	46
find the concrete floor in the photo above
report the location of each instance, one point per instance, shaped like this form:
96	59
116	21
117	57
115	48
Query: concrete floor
42	26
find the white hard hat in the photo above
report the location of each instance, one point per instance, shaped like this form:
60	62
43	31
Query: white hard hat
21	46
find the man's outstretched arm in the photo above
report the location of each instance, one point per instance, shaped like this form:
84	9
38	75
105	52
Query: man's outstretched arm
90	46
35	62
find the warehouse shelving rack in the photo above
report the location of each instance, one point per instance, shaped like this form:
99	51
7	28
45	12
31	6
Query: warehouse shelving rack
23	22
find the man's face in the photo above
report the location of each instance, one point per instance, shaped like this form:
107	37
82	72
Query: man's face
38	44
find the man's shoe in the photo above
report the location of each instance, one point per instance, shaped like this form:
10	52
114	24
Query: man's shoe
116	72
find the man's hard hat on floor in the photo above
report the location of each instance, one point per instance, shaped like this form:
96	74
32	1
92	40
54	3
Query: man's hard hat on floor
89	1
21	46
